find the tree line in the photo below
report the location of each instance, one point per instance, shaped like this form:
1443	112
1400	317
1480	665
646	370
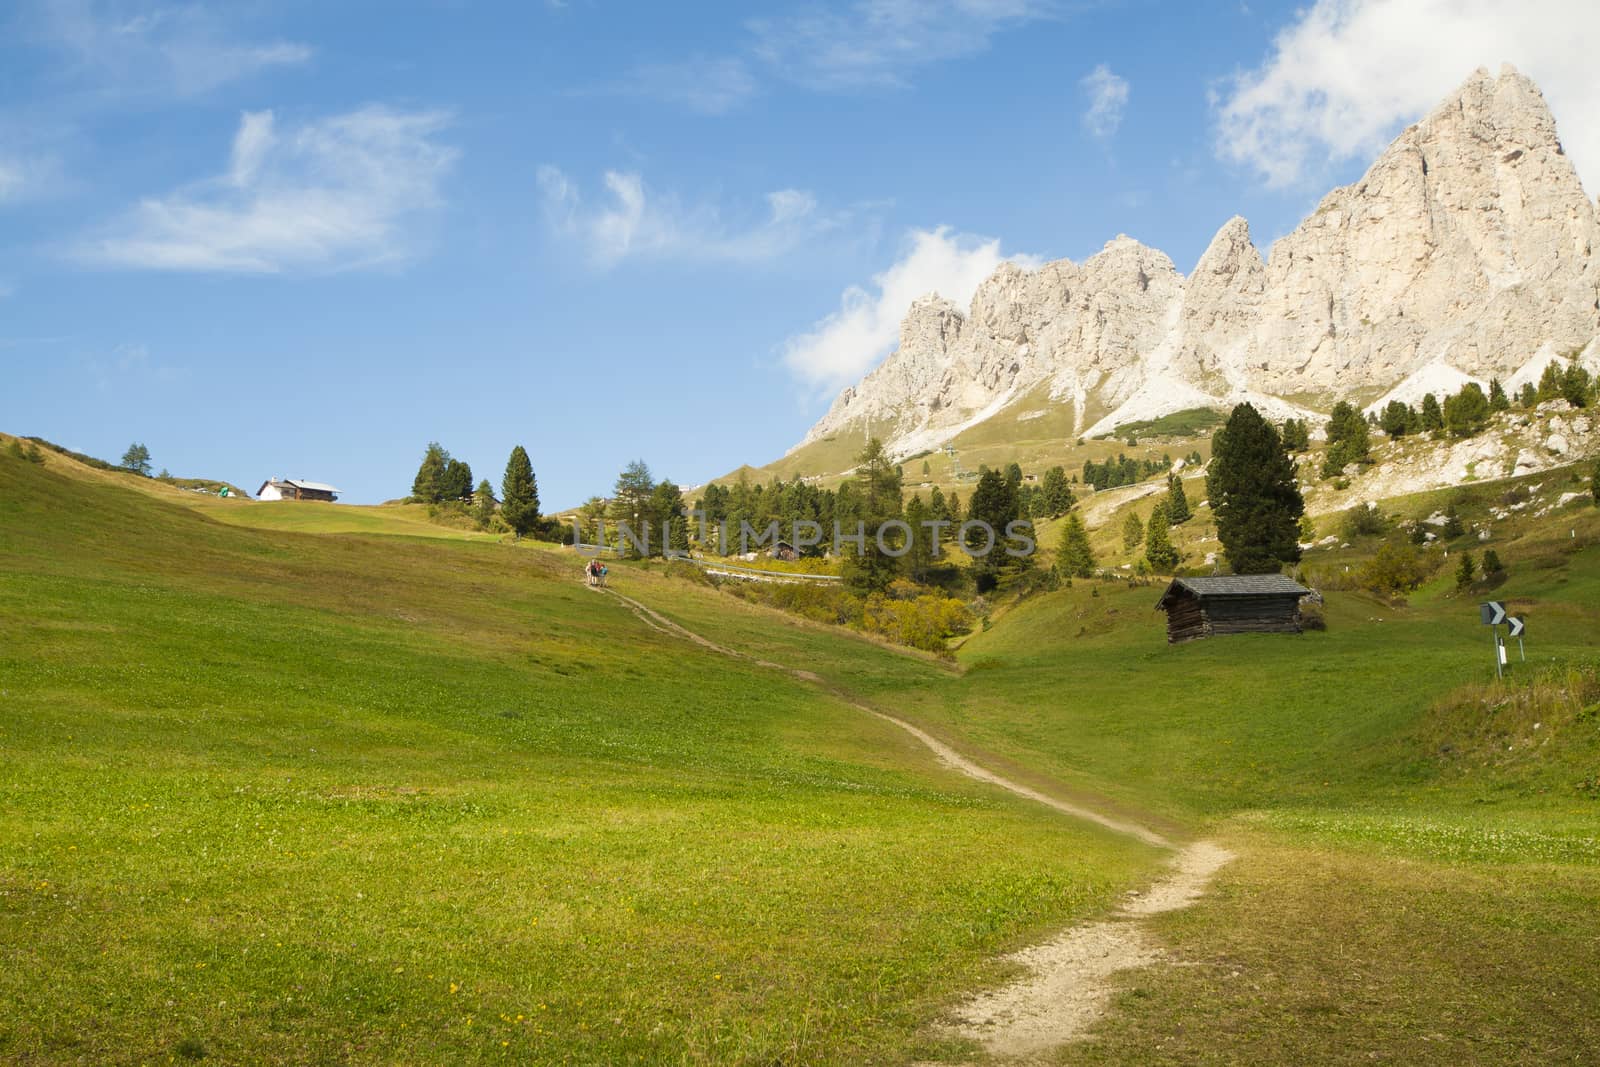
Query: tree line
445	484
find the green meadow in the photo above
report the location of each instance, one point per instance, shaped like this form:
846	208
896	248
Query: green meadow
335	784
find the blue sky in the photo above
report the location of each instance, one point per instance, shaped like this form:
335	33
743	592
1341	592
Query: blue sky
305	239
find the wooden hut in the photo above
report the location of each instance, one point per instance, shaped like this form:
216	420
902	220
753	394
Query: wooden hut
1232	604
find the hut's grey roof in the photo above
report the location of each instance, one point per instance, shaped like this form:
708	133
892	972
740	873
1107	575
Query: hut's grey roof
1236	585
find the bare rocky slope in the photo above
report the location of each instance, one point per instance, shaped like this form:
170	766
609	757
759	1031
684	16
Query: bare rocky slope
1468	250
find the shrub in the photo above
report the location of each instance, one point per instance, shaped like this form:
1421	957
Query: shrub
1394	571
1311	617
1363	520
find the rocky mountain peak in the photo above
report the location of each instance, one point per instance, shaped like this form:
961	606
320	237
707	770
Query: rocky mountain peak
1467	246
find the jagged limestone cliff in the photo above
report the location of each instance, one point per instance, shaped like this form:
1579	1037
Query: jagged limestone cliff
1468	249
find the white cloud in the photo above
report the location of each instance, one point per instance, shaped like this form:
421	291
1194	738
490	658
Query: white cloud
11	181
1108	95
842	347
142	48
1348	74
876	43
327	195
708	86
635	222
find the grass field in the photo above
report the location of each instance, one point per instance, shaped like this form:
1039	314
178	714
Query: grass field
272	796
335	784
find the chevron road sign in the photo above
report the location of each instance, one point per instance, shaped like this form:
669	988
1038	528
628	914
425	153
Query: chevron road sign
1516	624
1493	613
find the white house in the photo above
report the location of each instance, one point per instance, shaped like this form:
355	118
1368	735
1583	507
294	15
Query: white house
296	489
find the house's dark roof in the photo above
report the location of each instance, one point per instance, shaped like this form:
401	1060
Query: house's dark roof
1236	585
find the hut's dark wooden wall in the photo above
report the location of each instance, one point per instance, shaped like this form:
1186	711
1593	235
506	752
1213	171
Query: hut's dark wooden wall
1189	617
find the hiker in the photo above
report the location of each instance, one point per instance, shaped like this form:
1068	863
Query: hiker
603	572
591	571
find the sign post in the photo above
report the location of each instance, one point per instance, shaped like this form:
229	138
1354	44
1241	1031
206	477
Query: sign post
1516	625
1493	614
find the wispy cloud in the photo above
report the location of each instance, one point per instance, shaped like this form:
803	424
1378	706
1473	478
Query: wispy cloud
1108	96
327	195
142	48
632	221
708	86
867	44
843	346
1346	75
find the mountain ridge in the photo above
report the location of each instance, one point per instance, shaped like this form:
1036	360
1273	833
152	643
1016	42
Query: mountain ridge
1467	250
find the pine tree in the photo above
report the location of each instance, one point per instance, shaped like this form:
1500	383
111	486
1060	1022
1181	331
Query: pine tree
457	482
1158	550
137	459
429	486
630	504
1467	412
519	493
1132	531
1398	419
483	504
1498	401
1594	484
994	504
1074	559
1453	526
1056	494
1551	382
877	501
1296	435
1348	439
1177	501
1253	494
1527	396
666	507
1491	563
937	508
1432	414
1575	385
1464	571
919	552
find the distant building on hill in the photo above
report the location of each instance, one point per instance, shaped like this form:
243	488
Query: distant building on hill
785	551
1231	604
296	489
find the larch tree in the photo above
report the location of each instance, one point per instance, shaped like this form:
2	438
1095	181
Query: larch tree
1158	550
1074	559
1132	531
1177	501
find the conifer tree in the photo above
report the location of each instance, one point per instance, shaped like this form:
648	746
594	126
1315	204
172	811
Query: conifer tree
1158	550
1575	385
1464	571
519	494
1132	531
457	481
1467	412
1074	559
1348	439
630	504
937	508
137	459
666	508
1177	501
919	552
878	500
1491	563
1594	484
1551	382
1527	396
429	485
1055	493
1498	401
1253	493
1432	414
483	504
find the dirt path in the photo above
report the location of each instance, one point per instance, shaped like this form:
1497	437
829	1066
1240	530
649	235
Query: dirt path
1068	985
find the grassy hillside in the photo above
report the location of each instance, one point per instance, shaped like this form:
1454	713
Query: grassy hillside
1420	861
274	796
